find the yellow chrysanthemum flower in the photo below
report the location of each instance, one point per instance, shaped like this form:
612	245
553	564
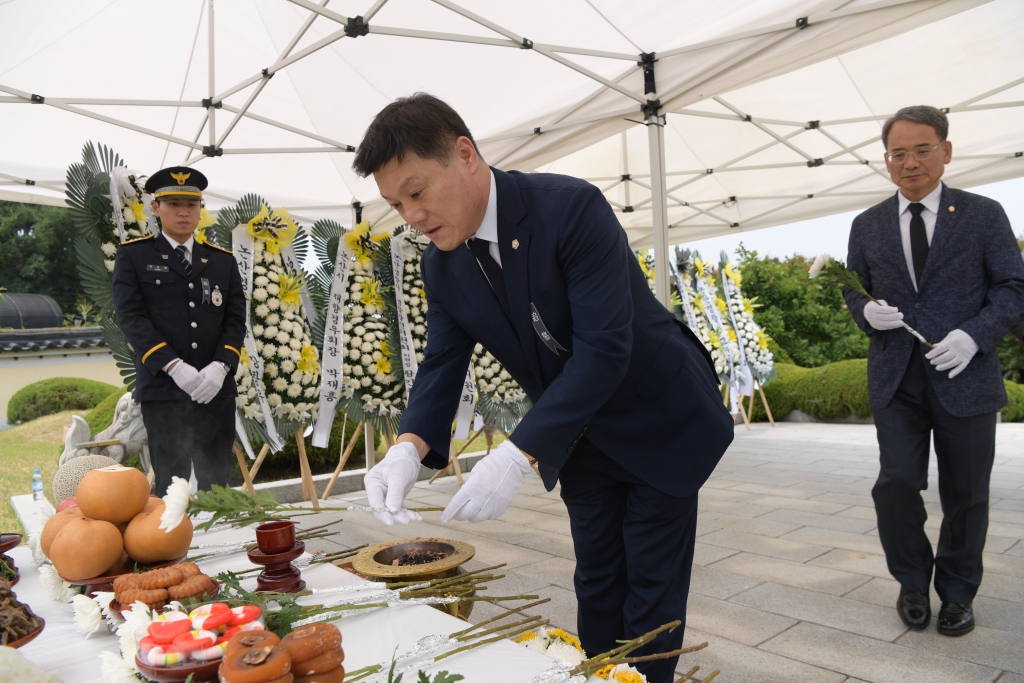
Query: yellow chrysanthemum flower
628	677
290	287
720	304
762	339
566	637
361	243
385	349
422	292
529	635
275	229
205	219
244	359
309	360
699	266
383	365
370	295
139	211
732	273
732	334
713	339
200	235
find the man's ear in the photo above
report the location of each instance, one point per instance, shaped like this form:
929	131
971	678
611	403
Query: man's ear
466	153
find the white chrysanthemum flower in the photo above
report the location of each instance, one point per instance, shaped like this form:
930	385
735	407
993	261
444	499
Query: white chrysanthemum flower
366	347
274	400
627	672
15	668
287	366
357	370
357	310
259	270
279	384
56	588
109	265
365	382
257	330
273	319
261	281
420	329
88	615
103	599
108	249
538	644
283	337
273	289
274	304
294	390
288	325
309	392
260	294
271	369
262	310
564	652
175	504
254	411
346	327
819	263
296	345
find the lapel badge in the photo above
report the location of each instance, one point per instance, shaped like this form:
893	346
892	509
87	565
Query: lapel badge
204	260
952	209
163	255
515	244
217	298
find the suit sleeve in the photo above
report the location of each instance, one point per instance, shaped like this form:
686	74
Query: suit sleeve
855	261
1004	300
435	395
150	347
232	336
595	259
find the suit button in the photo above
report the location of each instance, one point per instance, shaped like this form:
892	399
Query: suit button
194	325
158	282
194	345
190	285
918	306
191	304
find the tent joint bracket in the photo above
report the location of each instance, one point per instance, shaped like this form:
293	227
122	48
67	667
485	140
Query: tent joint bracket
527	44
213	151
647	60
208	102
38	99
627	209
1018	154
815	163
813	125
30	182
356	27
267	73
803	22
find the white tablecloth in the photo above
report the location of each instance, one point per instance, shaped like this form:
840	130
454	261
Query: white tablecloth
368	638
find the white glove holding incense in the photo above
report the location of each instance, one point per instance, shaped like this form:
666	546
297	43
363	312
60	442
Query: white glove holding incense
185	376
391	480
955	351
882	316
213	378
492	486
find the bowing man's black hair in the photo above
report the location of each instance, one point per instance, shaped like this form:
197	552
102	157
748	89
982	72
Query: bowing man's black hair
421	124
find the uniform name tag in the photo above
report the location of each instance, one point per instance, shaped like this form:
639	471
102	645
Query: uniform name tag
206	290
542	331
160	269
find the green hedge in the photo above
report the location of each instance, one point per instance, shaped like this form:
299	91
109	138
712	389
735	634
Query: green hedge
56	395
840	389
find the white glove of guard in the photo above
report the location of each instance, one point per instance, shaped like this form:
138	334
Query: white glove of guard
955	351
212	379
185	376
390	481
492	486
882	316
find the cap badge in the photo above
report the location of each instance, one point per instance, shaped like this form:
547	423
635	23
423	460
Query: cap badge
181	177
952	209
515	244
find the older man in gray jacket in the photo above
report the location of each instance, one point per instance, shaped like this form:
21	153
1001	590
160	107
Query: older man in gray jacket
946	263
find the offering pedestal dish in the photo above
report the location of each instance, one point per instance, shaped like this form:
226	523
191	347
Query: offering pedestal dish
275	549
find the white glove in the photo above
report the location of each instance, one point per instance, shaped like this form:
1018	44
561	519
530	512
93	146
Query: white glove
213	378
955	351
882	316
390	481
185	376
492	486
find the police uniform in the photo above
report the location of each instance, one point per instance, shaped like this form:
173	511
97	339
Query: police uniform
168	310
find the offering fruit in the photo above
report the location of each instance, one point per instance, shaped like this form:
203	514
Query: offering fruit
113	494
54	525
261	664
311	642
145	542
65	481
85	548
67	503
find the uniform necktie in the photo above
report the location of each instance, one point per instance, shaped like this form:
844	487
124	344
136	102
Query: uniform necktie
918	241
481	250
180	251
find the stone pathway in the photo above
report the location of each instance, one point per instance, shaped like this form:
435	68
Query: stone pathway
789	579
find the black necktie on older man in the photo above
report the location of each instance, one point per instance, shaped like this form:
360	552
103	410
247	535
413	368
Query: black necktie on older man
918	242
481	250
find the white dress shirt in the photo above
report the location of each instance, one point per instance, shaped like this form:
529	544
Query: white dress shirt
188	244
488	229
930	214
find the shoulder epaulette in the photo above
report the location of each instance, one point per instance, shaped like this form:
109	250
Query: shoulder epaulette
139	239
214	246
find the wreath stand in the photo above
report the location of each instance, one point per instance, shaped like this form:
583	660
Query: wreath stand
764	400
743	412
489	433
306	474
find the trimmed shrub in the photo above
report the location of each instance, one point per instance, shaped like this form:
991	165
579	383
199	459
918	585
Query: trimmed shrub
100	417
830	392
780	354
56	395
1014	410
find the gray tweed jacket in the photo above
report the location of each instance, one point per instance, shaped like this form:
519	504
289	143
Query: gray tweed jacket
973	281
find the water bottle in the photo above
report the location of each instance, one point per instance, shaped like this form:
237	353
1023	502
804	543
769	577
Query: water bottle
37	485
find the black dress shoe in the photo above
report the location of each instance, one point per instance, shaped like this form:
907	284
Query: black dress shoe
915	609
955	619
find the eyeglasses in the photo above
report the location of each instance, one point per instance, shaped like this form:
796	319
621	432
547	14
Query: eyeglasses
920	153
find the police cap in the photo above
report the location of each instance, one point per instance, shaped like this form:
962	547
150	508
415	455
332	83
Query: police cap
176	181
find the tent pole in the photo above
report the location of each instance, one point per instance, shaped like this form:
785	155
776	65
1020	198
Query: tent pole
210	67
625	170
659	206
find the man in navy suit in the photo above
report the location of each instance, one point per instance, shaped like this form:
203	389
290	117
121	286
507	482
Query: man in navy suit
946	263
627	414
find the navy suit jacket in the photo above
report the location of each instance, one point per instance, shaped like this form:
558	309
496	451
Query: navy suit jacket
166	314
637	381
973	280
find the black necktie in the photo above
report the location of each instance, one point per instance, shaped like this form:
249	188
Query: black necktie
918	241
180	251
481	250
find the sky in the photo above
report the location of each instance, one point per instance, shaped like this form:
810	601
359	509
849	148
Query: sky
831	233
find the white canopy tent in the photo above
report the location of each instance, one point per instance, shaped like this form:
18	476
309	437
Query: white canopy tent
270	96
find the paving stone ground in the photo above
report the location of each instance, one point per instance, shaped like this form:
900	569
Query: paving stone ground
789	579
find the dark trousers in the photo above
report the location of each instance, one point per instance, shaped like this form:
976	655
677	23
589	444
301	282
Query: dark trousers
965	449
634	553
185	435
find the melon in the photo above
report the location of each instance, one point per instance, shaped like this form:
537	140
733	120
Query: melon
65	481
54	525
145	542
85	548
113	494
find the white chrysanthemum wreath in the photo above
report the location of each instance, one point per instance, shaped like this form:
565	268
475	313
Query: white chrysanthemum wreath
748	332
415	300
716	344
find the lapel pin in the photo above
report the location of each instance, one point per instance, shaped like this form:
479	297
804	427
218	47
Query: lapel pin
952	209
515	244
163	255
204	260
